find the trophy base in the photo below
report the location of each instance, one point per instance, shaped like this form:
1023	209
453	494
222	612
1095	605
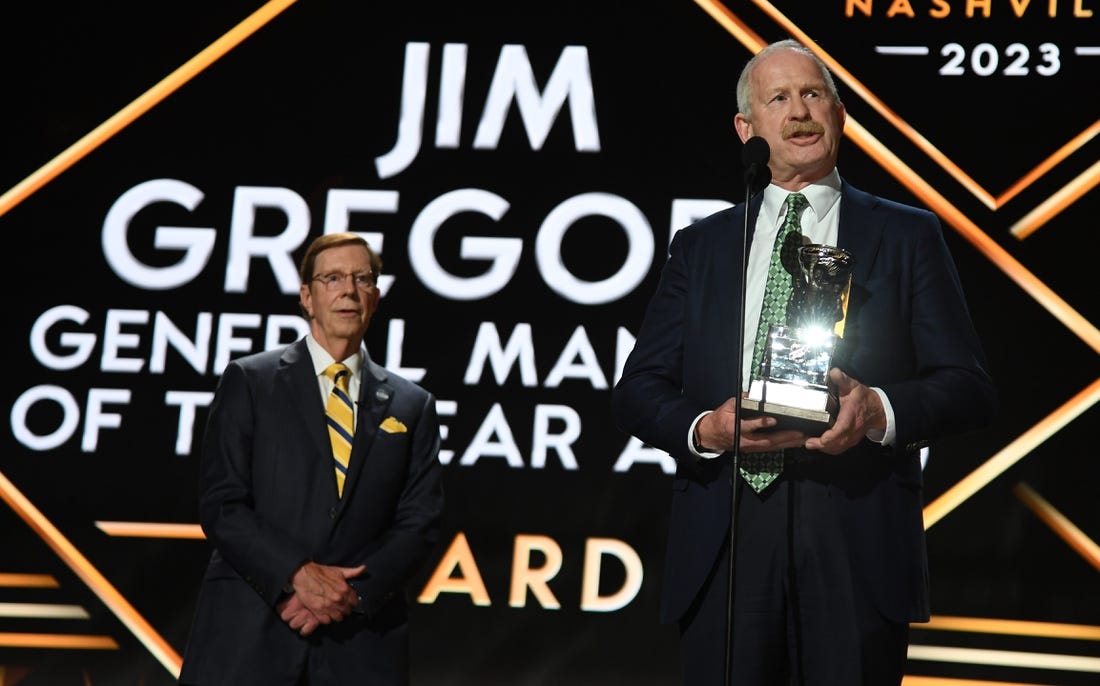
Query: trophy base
810	422
810	410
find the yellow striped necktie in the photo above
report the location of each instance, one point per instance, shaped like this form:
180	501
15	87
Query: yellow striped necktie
340	415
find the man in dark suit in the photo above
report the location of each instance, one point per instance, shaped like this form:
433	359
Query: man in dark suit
314	539
830	561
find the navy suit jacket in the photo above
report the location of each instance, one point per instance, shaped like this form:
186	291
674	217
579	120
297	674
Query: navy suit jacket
908	332
268	503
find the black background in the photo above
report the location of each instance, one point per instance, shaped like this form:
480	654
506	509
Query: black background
311	99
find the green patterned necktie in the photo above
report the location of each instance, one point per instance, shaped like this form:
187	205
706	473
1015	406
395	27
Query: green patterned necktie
761	469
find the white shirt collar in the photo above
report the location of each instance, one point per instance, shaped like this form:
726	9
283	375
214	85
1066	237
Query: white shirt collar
821	196
322	359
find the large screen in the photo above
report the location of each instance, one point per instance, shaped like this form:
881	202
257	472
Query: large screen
521	168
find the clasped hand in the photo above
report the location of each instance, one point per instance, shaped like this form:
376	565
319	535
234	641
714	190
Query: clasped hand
321	595
860	411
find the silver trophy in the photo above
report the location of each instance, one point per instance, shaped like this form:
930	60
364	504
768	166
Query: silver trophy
792	383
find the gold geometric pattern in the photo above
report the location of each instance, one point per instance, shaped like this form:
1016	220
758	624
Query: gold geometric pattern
96	582
149	99
107	593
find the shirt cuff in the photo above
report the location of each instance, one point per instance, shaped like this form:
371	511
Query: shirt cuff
706	455
888	436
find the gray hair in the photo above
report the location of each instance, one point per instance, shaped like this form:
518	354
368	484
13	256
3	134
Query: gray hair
744	85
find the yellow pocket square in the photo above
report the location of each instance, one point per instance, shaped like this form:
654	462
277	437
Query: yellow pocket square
393	426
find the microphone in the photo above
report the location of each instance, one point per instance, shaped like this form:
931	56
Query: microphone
754	159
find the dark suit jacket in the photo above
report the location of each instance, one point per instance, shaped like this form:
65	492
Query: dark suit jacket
269	503
908	332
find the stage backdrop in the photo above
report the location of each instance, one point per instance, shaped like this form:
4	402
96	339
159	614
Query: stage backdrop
521	167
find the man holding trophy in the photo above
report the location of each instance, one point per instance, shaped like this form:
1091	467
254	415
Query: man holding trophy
858	351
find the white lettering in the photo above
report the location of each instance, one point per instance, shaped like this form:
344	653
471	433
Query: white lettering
95	418
113	339
70	417
413	95
278	323
395	342
487	346
194	351
639	253
197	243
637	452
80	343
588	368
187	402
445	408
244	245
515	80
543	441
483	445
503	253
227	343
452	82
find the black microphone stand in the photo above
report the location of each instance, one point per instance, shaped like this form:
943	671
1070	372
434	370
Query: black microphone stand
755	156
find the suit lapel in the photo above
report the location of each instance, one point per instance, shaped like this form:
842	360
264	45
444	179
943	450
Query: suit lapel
727	262
860	229
860	233
299	382
375	396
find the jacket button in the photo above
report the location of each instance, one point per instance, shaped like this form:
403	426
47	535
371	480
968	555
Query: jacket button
332	513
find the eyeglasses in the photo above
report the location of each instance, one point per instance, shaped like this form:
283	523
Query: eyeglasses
335	280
